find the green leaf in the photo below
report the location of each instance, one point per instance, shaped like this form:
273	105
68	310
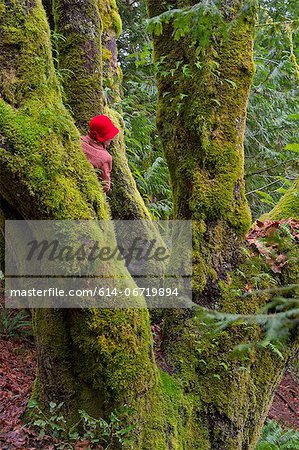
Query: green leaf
126	430
40	423
267	446
186	71
266	198
293	116
32	403
216	101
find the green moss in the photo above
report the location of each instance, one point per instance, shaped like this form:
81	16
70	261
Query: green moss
90	359
202	122
80	58
225	389
116	20
171	422
37	134
106	54
84	92
288	206
97	359
202	135
234	388
32	155
111	19
29	70
110	351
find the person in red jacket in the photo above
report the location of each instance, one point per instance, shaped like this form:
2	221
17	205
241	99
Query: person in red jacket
95	144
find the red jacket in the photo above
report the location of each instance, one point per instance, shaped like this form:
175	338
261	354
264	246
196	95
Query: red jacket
98	156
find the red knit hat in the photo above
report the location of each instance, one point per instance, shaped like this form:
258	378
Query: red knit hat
101	129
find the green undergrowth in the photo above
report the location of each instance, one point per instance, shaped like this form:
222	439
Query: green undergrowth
113	432
277	437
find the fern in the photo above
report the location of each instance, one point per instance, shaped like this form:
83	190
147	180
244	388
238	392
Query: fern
274	437
199	21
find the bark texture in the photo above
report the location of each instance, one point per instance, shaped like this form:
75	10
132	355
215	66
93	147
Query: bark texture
90	359
201	119
88	54
80	57
98	359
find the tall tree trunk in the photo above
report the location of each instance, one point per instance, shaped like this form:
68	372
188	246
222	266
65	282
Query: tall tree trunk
201	120
98	359
85	358
89	55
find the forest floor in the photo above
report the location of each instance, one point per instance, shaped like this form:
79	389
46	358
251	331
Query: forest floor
17	372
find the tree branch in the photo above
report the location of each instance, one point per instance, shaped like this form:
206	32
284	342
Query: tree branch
270	168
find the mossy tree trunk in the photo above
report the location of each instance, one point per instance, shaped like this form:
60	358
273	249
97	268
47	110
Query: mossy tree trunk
79	25
91	78
90	359
201	120
98	359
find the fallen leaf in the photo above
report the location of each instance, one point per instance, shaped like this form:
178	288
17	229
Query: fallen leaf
82	445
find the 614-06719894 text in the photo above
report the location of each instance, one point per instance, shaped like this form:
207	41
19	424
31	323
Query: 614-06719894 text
147	292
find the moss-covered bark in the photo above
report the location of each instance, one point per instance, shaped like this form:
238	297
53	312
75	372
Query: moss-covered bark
201	119
288	205
88	55
98	359
80	57
92	359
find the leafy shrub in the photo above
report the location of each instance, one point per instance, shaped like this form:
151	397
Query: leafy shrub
97	433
